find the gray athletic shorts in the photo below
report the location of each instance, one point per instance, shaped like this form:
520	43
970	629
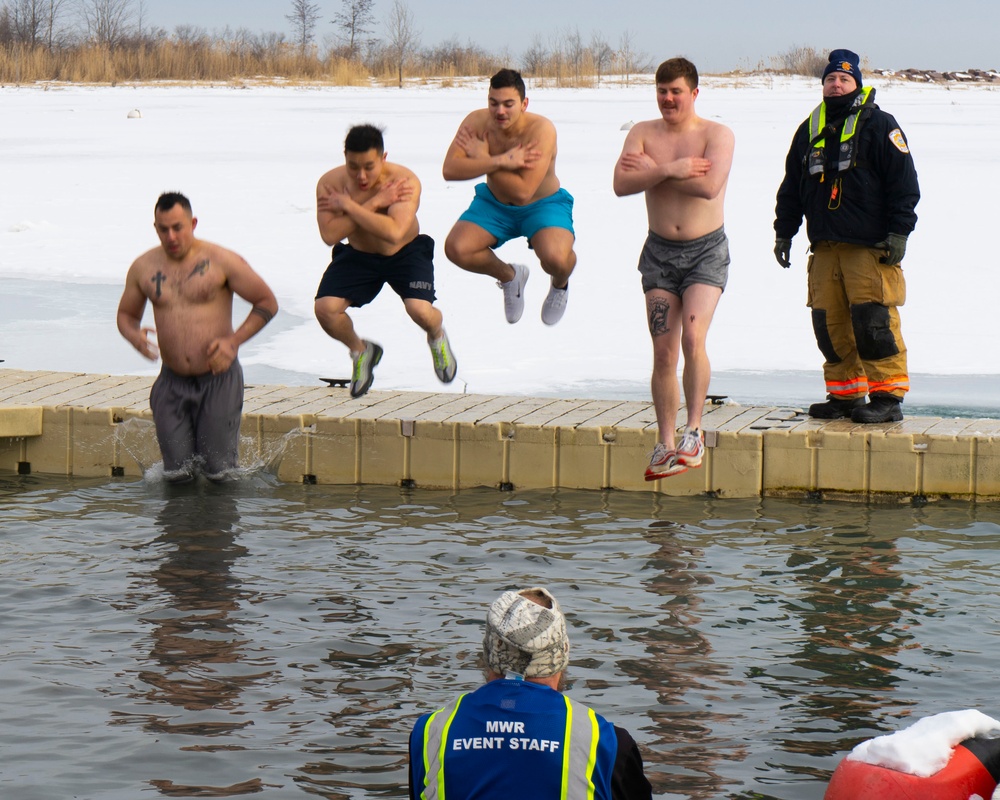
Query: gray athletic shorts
198	421
674	266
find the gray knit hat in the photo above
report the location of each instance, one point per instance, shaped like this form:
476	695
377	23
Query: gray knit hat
525	637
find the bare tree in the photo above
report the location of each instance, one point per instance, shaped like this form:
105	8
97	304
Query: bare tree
403	36
192	36
267	46
574	51
303	18
6	27
535	56
601	53
630	57
557	57
28	21
55	9
108	22
356	20
802	61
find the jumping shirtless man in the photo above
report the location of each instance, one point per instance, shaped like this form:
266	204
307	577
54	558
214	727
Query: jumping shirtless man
516	151
373	204
197	400
681	162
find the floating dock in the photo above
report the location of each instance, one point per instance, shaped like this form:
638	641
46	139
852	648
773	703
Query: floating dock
71	424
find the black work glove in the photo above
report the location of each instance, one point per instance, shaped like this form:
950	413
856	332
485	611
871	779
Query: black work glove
783	251
895	246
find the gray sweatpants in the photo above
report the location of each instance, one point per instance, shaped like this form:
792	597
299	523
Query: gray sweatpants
198	417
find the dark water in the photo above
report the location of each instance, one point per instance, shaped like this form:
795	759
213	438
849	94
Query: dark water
280	639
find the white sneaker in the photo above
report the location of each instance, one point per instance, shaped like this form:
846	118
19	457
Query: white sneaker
691	448
513	293
663	463
555	304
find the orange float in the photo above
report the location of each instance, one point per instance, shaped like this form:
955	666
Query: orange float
972	773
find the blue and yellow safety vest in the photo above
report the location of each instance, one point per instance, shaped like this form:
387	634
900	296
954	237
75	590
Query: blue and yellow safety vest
512	739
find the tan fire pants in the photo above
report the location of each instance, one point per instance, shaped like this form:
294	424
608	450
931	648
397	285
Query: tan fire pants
854	301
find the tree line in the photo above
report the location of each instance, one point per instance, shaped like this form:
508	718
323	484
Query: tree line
112	40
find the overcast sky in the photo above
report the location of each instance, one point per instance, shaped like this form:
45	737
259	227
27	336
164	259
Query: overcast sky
718	35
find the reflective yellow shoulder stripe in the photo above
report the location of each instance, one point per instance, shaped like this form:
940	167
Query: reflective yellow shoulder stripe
817	121
579	753
435	741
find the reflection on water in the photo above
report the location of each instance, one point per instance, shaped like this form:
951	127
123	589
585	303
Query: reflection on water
221	641
678	660
196	635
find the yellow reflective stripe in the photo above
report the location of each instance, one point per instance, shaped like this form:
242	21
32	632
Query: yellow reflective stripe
435	742
592	756
579	753
567	750
427	749
817	121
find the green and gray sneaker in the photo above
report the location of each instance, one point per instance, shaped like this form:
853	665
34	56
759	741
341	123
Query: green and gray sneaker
445	364
364	363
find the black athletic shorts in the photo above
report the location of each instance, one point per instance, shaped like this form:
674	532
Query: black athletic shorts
358	277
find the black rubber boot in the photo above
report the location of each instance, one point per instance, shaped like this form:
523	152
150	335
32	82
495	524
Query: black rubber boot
881	408
835	408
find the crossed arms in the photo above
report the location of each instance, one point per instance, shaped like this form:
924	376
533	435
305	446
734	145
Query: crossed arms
514	174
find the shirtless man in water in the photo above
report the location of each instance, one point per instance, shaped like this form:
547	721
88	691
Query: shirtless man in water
516	151
681	162
197	400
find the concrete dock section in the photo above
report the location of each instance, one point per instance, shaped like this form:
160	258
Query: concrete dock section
100	425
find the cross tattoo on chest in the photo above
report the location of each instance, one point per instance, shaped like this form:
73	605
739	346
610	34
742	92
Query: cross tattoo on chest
158	279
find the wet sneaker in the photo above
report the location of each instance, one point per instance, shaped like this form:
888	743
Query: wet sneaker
364	363
445	364
513	293
663	463
555	304
691	448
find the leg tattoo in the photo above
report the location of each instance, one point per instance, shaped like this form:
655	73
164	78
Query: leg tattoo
658	309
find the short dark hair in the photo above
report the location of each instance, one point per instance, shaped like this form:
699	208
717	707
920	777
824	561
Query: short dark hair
362	138
508	79
168	200
674	68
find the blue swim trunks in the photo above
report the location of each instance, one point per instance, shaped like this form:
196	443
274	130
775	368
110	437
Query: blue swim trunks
507	222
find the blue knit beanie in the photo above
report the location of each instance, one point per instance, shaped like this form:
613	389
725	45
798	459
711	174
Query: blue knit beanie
844	61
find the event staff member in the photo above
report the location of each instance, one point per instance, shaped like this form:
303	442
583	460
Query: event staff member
518	736
850	173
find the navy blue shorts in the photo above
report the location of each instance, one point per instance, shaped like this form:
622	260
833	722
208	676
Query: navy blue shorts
358	277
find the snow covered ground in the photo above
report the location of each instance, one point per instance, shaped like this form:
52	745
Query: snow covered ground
79	179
